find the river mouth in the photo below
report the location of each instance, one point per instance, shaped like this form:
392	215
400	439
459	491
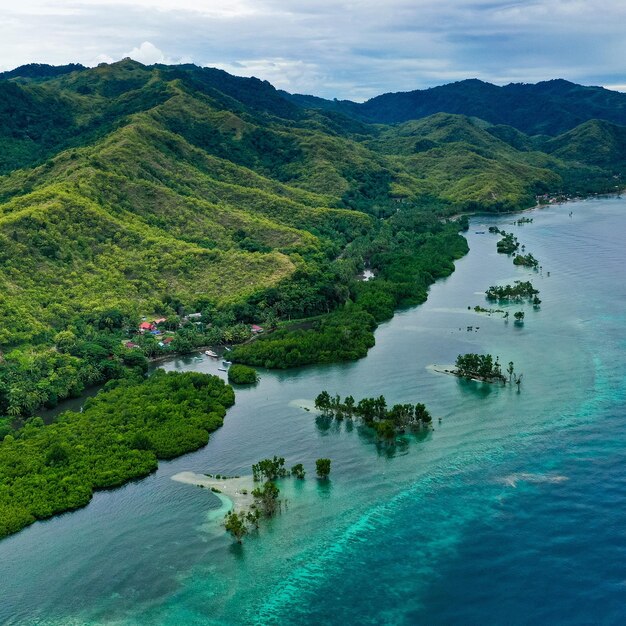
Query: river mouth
424	515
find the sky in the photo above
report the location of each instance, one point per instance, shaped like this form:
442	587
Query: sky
352	49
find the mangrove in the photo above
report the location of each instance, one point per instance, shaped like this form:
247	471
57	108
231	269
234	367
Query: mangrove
387	422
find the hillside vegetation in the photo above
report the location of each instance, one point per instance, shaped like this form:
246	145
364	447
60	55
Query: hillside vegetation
130	191
200	205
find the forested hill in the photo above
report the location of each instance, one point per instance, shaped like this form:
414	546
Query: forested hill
546	108
124	185
160	191
40	71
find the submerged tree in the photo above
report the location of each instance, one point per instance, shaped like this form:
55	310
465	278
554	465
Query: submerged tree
322	467
270	469
236	525
267	498
323	402
298	471
253	516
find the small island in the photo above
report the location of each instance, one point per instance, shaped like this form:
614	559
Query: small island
508	244
526	260
519	291
246	504
242	375
481	368
387	422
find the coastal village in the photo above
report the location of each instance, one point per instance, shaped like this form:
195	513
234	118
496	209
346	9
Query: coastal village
165	333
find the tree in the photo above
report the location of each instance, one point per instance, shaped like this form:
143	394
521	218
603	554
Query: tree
422	414
235	524
65	341
253	516
510	369
322	402
182	343
349	404
519	316
380	407
270	469
270	319
267	498
366	408
401	415
58	454
298	471
322	466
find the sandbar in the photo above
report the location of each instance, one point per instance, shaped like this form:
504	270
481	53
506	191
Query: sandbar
237	490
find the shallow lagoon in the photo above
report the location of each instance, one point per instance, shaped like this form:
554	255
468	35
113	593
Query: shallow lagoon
510	511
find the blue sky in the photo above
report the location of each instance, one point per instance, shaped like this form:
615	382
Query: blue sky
333	48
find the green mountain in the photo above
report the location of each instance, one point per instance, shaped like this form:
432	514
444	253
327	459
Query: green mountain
129	191
39	71
124	184
549	107
595	142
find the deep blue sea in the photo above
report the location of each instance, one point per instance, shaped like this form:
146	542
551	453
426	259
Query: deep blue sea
512	511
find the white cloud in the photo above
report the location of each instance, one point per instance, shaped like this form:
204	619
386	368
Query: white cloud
343	49
148	54
288	74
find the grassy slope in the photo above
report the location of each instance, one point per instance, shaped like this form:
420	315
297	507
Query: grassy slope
143	213
141	183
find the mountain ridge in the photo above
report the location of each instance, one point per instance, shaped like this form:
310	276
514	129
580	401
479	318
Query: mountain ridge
547	107
133	185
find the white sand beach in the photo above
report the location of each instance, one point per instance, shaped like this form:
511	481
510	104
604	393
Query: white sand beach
236	490
450	370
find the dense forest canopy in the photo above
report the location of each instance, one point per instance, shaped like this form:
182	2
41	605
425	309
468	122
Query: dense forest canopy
119	435
131	191
546	108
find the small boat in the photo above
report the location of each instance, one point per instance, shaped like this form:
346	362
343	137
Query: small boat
227	363
210	353
222	369
227	348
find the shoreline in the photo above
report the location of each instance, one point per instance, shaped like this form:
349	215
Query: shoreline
590	196
164	358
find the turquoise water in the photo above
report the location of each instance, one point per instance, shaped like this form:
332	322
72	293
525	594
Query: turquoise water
511	511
